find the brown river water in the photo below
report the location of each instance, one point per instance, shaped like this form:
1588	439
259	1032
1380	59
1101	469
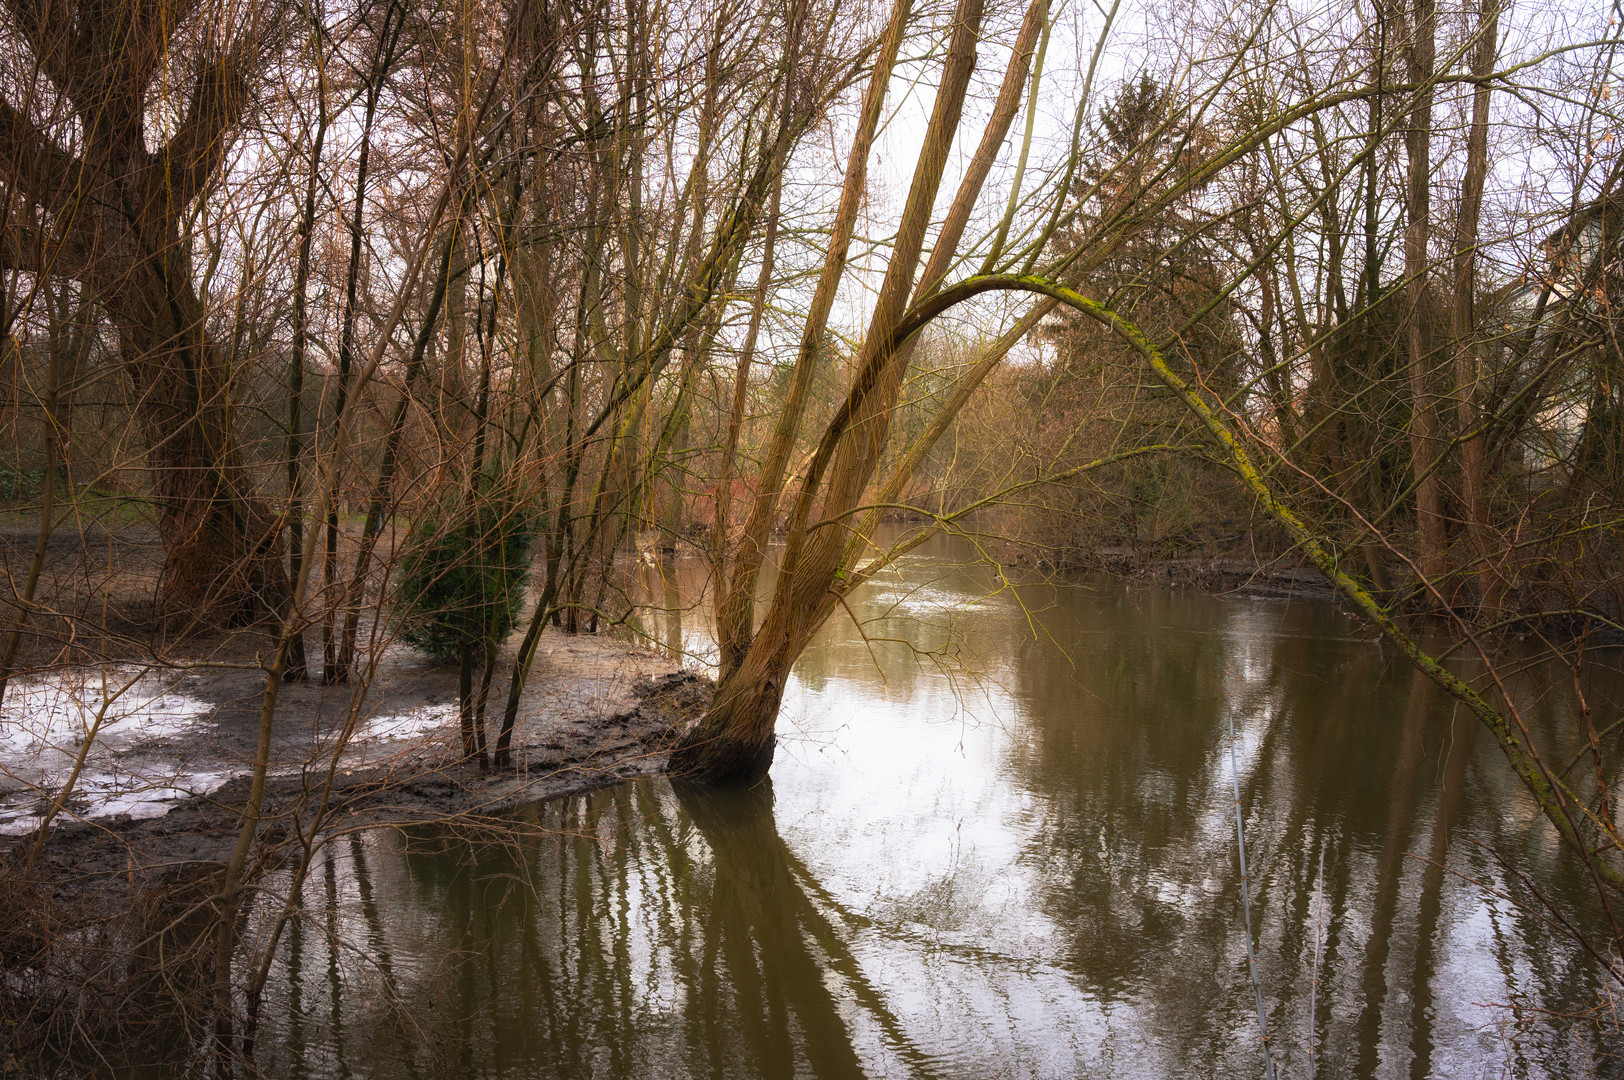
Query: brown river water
998	841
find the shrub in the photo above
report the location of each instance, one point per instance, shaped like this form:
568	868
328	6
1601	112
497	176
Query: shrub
463	574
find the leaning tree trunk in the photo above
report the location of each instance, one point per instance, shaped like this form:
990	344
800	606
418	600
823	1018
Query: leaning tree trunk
734	741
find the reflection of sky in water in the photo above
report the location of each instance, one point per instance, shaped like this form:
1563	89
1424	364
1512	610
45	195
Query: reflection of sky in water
990	853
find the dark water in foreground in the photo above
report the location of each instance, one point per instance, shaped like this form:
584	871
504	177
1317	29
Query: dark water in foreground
999	841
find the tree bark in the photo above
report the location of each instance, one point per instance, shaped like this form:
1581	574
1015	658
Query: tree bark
1473	476
222	563
1424	422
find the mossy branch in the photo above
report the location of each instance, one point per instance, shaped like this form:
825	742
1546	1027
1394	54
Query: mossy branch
1548	792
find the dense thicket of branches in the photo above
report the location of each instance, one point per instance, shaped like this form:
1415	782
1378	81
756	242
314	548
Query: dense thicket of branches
281	282
1421	339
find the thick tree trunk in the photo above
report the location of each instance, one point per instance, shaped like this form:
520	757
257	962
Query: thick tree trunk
222	559
1425	444
125	208
734	742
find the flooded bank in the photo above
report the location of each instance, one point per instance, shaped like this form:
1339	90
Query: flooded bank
162	737
998	840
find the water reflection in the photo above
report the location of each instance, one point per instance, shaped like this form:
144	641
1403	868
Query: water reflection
984	852
652	932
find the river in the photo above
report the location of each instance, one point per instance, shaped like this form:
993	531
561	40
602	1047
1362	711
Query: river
999	840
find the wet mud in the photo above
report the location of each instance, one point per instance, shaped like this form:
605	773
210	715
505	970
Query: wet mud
169	770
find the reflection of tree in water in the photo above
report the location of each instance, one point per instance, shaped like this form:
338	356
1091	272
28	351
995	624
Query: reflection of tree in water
642	932
776	945
639	933
661	594
1135	845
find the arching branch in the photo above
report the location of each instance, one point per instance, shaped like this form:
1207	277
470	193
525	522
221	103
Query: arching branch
1558	804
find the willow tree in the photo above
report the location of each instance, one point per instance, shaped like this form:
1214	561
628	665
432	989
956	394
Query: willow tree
653	279
735	740
836	506
107	141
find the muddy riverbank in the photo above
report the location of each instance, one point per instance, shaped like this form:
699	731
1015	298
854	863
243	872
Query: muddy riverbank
169	770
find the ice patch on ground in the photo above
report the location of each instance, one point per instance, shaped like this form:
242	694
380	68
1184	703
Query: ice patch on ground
377	739
99	794
57	713
137	720
411	725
